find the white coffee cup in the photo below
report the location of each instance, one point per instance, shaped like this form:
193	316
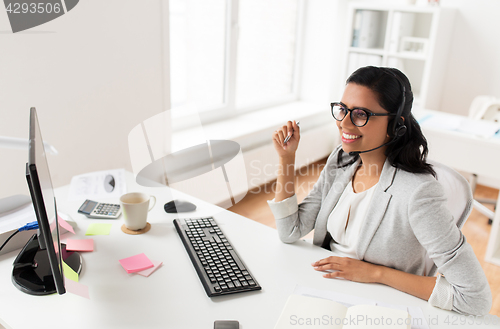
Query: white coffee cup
135	208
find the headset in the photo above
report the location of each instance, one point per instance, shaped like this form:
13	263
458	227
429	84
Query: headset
398	128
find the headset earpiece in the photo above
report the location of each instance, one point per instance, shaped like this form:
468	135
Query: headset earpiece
400	131
399	128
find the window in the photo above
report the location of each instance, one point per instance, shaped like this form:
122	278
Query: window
266	50
197	52
230	56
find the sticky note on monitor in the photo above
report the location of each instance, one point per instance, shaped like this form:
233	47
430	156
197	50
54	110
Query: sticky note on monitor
64	224
80	245
76	288
69	273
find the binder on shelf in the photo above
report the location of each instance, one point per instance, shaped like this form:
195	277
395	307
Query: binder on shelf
370	29
356	28
402	26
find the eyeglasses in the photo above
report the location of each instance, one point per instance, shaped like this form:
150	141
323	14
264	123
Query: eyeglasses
359	116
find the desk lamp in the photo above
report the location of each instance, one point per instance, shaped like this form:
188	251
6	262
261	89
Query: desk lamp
209	169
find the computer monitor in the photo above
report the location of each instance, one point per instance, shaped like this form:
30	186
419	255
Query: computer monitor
38	269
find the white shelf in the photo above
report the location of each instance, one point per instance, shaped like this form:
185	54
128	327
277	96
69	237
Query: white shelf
369	51
424	28
408	55
402	8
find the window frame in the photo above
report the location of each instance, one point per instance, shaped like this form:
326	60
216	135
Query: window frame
228	108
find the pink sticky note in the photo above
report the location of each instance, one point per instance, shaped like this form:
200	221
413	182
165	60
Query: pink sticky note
148	272
136	263
80	245
76	288
65	224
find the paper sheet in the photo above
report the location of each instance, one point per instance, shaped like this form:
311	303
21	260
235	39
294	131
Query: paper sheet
441	121
418	318
95	185
148	272
15	220
482	128
344	299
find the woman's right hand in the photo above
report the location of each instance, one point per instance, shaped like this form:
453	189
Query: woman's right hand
279	136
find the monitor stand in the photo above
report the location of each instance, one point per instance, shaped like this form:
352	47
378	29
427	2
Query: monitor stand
32	273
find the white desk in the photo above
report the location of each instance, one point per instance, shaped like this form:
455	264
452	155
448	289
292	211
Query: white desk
468	153
173	297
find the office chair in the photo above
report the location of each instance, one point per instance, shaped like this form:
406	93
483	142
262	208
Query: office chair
459	200
484	108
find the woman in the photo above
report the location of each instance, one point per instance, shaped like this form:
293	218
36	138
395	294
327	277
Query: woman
380	211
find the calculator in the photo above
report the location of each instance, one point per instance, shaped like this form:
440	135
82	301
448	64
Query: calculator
94	209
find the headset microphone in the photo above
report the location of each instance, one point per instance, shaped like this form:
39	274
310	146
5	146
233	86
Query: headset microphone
353	153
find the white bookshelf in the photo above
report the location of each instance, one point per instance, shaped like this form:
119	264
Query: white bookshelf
414	39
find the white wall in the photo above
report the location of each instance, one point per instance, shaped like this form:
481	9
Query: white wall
474	63
93	74
96	72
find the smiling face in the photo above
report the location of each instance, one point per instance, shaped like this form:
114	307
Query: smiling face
374	133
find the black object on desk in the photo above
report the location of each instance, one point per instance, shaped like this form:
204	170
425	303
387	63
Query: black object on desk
219	267
226	324
176	206
32	273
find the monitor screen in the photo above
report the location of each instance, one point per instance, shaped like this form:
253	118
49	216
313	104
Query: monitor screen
48	246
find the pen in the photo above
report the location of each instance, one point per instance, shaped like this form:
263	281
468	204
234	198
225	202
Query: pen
288	137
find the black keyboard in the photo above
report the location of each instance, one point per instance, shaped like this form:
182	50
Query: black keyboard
219	267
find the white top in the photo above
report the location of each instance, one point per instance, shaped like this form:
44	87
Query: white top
346	220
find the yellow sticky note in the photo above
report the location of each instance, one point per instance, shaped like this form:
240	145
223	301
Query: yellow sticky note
98	229
69	273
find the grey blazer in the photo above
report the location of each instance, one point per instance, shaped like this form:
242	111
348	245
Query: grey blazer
407	218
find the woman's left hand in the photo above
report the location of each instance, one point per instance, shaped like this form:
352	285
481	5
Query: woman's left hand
348	268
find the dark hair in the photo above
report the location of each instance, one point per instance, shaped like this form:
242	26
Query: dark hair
408	152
